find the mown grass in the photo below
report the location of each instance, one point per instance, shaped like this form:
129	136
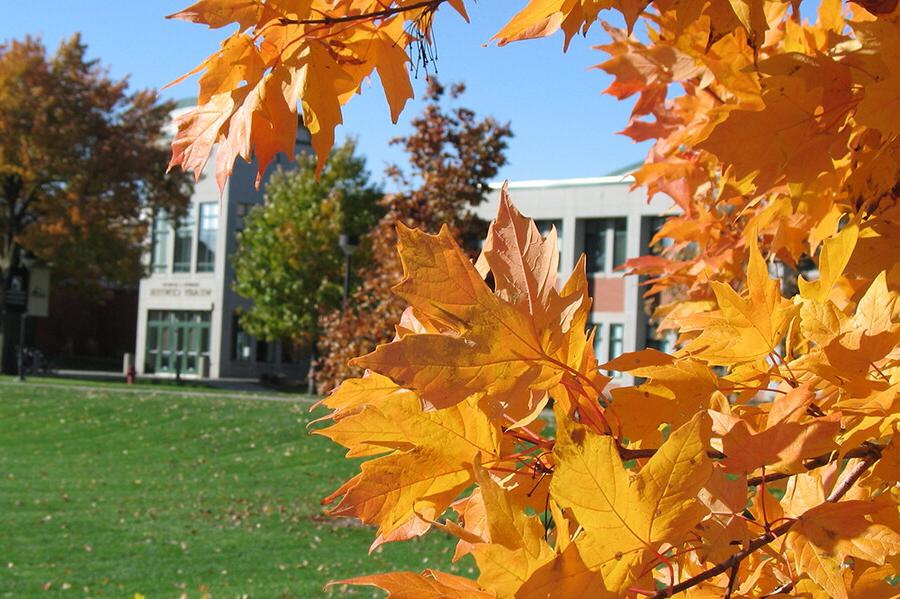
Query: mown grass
108	494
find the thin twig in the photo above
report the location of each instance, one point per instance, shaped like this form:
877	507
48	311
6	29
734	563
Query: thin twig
732	579
817	462
637	454
375	14
761	541
762	500
853	475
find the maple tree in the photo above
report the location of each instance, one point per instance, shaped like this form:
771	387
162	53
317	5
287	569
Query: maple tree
82	159
759	458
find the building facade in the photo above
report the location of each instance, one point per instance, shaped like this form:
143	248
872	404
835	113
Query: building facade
187	310
188	321
602	218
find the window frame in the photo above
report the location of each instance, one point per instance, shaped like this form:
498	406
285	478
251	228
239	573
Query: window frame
184	231
207	263
159	242
612	232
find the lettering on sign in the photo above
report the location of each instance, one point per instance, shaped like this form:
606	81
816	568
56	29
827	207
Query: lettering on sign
185	289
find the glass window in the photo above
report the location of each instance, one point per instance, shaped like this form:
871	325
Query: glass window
664	343
620	241
184	239
288	352
241	341
600	236
595	245
159	253
262	351
598	341
206	246
616	344
655	225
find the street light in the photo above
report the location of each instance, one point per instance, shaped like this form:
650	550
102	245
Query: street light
348	244
26	260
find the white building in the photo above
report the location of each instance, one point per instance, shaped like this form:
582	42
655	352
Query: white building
187	310
609	223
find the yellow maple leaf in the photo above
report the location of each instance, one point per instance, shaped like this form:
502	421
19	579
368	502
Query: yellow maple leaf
744	329
630	515
508	349
430	458
789	437
824	536
675	389
286	52
430	584
220	13
833	259
516	548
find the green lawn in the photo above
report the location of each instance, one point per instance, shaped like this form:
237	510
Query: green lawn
107	494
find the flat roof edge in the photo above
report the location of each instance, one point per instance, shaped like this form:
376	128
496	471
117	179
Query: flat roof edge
578	182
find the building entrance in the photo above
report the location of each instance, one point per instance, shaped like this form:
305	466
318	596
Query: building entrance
176	340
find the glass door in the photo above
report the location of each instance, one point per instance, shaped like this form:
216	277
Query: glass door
176	339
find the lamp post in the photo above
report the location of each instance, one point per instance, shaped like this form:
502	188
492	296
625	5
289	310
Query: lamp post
348	244
26	261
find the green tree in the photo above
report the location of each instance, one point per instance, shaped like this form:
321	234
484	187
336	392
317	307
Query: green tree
82	161
289	261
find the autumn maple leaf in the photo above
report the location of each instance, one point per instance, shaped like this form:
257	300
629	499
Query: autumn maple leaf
508	349
640	511
743	329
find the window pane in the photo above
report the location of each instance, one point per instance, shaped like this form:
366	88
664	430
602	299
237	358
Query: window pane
287	353
620	240
160	240
598	341
184	237
656	224
262	351
240	340
595	244
206	247
616	343
664	343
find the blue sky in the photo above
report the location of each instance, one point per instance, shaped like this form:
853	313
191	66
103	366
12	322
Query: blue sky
564	127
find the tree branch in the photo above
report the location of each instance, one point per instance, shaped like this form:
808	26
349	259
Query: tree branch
377	14
853	475
732	580
637	454
839	491
817	462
